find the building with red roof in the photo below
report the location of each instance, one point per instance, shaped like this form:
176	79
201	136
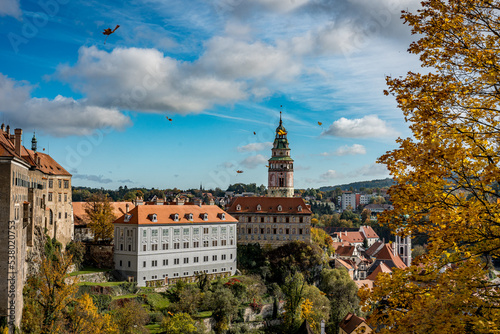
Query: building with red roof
271	221
35	197
353	324
160	244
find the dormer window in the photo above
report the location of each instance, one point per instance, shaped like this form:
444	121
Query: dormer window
189	216
154	218
299	208
223	216
127	217
280	208
204	216
259	208
238	207
175	217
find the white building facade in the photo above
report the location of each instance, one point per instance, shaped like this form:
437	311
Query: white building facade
160	244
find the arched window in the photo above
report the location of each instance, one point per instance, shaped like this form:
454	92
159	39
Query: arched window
280	208
259	208
154	218
299	208
51	217
238	207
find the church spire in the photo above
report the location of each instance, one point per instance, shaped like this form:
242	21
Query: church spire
280	173
33	142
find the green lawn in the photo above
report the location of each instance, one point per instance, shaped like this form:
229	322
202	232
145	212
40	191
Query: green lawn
101	284
153	328
130	295
202	315
89	270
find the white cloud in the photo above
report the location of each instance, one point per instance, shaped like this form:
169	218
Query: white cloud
373	170
10	8
330	175
255	147
346	150
282	6
254	161
146	80
61	116
366	127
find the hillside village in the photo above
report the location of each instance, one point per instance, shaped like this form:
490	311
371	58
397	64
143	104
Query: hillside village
175	243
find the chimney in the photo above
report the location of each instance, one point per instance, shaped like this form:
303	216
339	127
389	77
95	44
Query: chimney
8	131
17	140
3	127
126	208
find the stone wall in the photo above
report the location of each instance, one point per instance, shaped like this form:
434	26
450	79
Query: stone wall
100	256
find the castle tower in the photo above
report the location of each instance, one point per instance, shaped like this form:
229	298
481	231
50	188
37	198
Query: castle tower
280	173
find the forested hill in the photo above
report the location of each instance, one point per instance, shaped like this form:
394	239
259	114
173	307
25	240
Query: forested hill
362	184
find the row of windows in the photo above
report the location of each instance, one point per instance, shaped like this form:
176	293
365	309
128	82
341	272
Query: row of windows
177	245
60	183
246	219
185	231
269	230
59	197
186	273
196	259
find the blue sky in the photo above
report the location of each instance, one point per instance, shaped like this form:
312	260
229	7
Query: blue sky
220	70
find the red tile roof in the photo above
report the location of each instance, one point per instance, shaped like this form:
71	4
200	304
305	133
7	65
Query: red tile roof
81	219
386	254
345	251
369	232
351	322
47	164
373	248
347	264
364	283
381	268
351	237
142	214
289	205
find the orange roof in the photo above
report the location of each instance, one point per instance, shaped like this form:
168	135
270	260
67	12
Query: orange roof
351	237
346	264
373	248
338	244
289	205
369	232
142	214
345	251
47	164
351	322
386	254
381	268
119	208
364	283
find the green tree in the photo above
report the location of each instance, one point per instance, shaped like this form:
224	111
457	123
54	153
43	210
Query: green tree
100	214
293	290
342	292
222	303
320	306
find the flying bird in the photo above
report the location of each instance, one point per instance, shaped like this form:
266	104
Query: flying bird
254	133
267	166
320	124
108	32
169	119
239	171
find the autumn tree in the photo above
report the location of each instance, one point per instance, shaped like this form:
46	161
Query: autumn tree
293	290
47	294
179	323
100	215
84	318
315	307
446	174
